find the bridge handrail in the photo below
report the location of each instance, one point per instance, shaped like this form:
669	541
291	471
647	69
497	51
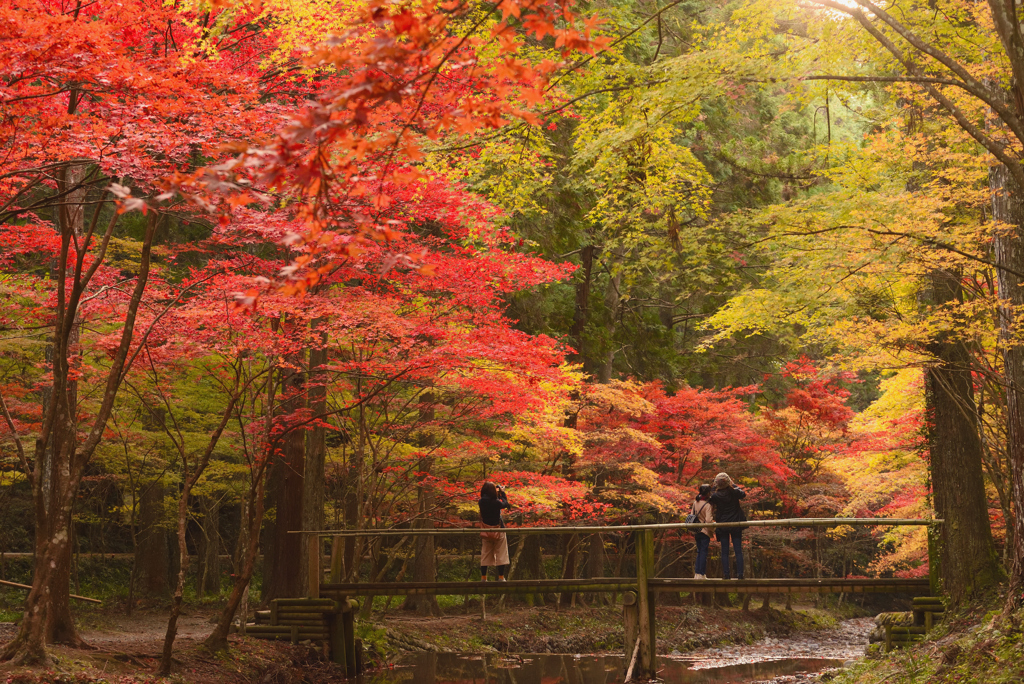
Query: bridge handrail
627	584
602	529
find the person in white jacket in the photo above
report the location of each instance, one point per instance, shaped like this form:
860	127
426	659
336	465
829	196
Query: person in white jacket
702	509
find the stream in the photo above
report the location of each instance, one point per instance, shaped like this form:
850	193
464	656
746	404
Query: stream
791	659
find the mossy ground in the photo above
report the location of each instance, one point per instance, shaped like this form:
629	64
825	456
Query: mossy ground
976	644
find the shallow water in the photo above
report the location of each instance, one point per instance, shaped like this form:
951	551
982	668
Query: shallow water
546	668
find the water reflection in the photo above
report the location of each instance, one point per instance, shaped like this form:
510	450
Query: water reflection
445	668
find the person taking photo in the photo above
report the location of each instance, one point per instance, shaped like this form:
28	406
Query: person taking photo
494	545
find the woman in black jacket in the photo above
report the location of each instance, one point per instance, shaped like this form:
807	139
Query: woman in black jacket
494	545
726	500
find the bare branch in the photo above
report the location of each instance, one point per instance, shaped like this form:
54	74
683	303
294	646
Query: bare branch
17	438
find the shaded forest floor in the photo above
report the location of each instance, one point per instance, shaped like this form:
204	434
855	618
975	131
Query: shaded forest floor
127	648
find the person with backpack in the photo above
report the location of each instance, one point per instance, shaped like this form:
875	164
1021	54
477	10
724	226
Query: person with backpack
700	512
726	500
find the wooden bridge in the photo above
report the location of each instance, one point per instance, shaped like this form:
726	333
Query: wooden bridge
639	592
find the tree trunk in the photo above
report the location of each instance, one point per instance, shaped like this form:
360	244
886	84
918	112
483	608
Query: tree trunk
152	553
969	564
1008	209
208	547
166	656
425	563
424	569
316	447
55	484
60	626
282	561
354	500
532	564
572	548
249	546
581	315
612	300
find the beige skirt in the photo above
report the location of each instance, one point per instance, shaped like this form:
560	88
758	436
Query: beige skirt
494	549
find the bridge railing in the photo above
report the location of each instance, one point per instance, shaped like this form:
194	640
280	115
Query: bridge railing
315	549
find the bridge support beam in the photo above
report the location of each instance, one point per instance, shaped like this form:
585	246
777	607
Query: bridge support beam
647	633
631	625
343	636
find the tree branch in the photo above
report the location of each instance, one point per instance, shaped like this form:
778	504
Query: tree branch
17	438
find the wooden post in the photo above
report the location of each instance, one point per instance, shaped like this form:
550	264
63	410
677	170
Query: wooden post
337	559
645	608
313	546
348	618
337	628
933	560
630	623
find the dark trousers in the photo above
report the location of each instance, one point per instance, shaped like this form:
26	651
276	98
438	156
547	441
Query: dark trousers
724	535
701	566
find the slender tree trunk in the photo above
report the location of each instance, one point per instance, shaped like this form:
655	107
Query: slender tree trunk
60	626
249	550
570	560
354	500
425	563
612	300
969	564
248	546
581	314
316	447
164	668
1008	209
208	547
282	562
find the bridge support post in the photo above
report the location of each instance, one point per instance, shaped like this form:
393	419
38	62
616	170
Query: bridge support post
933	560
342	635
348	618
631	625
313	565
337	635
337	559
647	627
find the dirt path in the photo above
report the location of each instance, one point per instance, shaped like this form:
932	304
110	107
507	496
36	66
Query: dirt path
127	649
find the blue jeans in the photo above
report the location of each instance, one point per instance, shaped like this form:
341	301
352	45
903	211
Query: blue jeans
724	534
701	566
